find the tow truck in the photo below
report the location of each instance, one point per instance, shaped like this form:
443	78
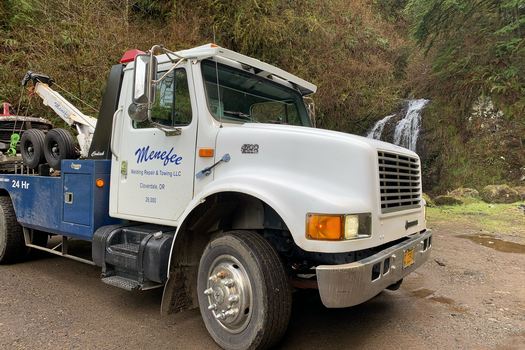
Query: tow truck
205	176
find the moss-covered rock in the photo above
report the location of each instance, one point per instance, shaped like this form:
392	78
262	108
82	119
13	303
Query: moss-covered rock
521	192
428	200
447	200
499	194
464	192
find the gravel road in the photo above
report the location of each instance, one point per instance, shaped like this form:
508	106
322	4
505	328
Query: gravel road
470	295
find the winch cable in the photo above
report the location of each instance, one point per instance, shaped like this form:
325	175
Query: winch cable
17	113
75	97
15	137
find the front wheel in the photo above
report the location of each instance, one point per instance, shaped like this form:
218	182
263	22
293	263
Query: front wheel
244	296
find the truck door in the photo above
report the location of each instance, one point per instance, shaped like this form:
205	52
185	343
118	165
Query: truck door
156	168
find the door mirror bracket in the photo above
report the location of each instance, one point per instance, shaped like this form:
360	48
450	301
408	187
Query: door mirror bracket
144	86
168	130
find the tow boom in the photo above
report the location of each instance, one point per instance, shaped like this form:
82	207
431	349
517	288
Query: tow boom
84	124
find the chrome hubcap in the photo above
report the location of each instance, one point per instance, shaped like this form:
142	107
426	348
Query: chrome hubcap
55	150
229	293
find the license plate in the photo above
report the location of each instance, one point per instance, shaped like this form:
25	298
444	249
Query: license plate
408	257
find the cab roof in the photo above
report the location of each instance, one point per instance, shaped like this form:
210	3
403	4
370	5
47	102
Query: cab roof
263	69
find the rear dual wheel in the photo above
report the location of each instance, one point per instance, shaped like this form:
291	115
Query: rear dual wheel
32	147
37	147
12	244
58	145
243	291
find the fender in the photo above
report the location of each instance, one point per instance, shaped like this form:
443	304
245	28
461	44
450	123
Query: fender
289	198
290	207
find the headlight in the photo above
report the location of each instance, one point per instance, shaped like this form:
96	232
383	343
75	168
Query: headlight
335	227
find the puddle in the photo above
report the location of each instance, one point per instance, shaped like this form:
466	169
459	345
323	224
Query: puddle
422	293
496	244
443	300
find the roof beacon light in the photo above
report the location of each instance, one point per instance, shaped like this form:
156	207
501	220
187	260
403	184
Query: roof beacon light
130	55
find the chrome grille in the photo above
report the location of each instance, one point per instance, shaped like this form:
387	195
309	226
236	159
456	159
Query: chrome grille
399	181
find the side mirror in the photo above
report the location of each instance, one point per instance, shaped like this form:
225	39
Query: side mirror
143	87
138	112
145	72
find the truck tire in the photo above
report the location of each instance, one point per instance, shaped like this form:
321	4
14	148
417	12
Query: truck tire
59	144
12	246
32	147
244	296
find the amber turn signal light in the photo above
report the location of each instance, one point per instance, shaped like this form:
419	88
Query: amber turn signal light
99	183
206	152
325	227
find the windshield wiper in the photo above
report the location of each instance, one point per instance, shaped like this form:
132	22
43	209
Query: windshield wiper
239	114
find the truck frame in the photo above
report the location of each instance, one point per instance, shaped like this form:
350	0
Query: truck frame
203	175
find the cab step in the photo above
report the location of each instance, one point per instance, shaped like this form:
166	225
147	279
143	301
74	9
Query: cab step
133	256
129	284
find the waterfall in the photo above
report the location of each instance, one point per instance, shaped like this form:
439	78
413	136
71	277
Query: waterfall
377	130
407	128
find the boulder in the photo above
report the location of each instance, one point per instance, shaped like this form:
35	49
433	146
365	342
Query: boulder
428	200
465	192
521	192
499	194
447	200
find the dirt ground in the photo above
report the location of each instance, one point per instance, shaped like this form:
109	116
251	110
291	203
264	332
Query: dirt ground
469	295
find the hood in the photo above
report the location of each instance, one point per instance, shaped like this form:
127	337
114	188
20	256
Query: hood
329	134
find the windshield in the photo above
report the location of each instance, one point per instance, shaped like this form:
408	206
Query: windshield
245	97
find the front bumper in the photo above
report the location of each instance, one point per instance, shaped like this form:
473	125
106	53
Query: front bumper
351	284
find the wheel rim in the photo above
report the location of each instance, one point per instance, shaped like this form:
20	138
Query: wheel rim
55	151
30	150
229	293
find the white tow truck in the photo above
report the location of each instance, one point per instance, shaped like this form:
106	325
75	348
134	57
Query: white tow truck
204	175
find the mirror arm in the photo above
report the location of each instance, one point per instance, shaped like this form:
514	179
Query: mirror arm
168	131
152	73
161	49
156	48
168	72
171	53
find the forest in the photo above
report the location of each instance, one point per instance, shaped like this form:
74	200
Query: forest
366	57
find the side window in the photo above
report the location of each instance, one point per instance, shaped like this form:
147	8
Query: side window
172	106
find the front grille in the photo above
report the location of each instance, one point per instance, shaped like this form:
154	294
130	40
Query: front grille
399	182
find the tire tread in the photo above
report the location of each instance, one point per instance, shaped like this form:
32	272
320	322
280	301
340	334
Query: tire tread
66	144
15	246
279	300
37	137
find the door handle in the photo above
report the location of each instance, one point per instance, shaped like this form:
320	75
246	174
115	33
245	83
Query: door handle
207	171
68	197
114	122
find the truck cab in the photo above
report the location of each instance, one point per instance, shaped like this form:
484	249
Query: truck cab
206	177
211	90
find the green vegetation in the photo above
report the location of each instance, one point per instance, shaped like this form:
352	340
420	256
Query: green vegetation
347	49
475	52
491	218
467	56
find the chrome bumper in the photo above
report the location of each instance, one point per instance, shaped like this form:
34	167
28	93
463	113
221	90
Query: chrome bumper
351	284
